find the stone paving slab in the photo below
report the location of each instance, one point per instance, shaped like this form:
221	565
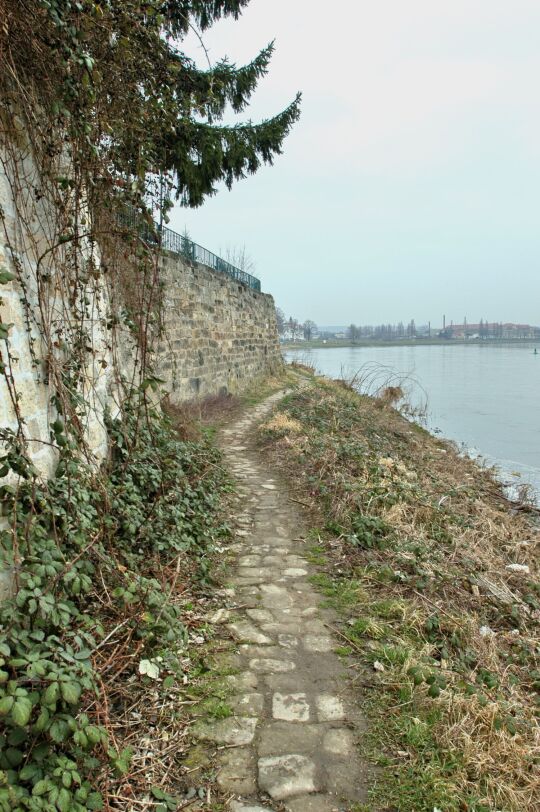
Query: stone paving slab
235	731
339	741
292	741
286	776
237	771
251	704
314	803
290	707
245	631
266	665
280	737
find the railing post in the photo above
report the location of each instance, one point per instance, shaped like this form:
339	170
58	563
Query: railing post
176	243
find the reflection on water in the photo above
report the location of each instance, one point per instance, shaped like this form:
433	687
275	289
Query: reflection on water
485	397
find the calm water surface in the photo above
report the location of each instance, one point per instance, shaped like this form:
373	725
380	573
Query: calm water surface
486	398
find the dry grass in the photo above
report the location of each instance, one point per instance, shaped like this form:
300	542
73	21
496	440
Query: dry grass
391	395
143	715
414	526
282	425
505	764
190	416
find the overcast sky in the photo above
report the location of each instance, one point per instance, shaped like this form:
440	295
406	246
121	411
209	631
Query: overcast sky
411	185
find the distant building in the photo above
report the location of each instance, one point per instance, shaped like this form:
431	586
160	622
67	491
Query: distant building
291	335
520	331
490	331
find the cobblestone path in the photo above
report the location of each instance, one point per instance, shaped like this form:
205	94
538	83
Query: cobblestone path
292	743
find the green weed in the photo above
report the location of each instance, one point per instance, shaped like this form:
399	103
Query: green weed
95	547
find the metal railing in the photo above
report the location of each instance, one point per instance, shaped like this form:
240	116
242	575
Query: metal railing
179	244
182	246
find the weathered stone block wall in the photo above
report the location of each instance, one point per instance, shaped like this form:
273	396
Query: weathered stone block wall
33	310
218	334
34	305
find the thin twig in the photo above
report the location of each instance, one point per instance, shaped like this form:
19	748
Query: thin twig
439	609
351	642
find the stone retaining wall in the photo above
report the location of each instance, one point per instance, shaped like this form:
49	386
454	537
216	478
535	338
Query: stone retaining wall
218	334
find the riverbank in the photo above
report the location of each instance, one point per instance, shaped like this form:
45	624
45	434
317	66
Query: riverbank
483	397
434	575
406	342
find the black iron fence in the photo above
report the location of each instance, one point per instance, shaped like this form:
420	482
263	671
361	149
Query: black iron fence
179	244
182	246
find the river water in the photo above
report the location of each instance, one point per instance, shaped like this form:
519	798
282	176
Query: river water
484	397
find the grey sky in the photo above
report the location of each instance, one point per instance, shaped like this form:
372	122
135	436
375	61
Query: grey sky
411	185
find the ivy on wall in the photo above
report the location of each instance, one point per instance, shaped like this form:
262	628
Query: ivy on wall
101	112
88	556
113	77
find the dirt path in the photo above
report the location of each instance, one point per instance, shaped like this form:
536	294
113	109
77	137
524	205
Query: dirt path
292	743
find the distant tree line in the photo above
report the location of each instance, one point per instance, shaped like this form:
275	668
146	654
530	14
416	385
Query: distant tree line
293	329
383	332
483	329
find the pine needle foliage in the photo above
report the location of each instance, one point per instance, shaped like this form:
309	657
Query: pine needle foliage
114	73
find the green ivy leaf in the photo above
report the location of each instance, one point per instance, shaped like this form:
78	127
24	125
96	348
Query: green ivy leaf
29	772
52	694
59	730
93	733
17	736
41	787
95	801
63	801
21	711
6	276
14	756
71	692
4	330
42	720
6	705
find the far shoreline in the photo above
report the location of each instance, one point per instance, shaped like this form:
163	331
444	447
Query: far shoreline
408	342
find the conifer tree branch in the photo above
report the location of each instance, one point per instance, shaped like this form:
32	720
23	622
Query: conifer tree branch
114	74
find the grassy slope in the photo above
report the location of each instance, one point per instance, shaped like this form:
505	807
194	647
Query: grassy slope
414	549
